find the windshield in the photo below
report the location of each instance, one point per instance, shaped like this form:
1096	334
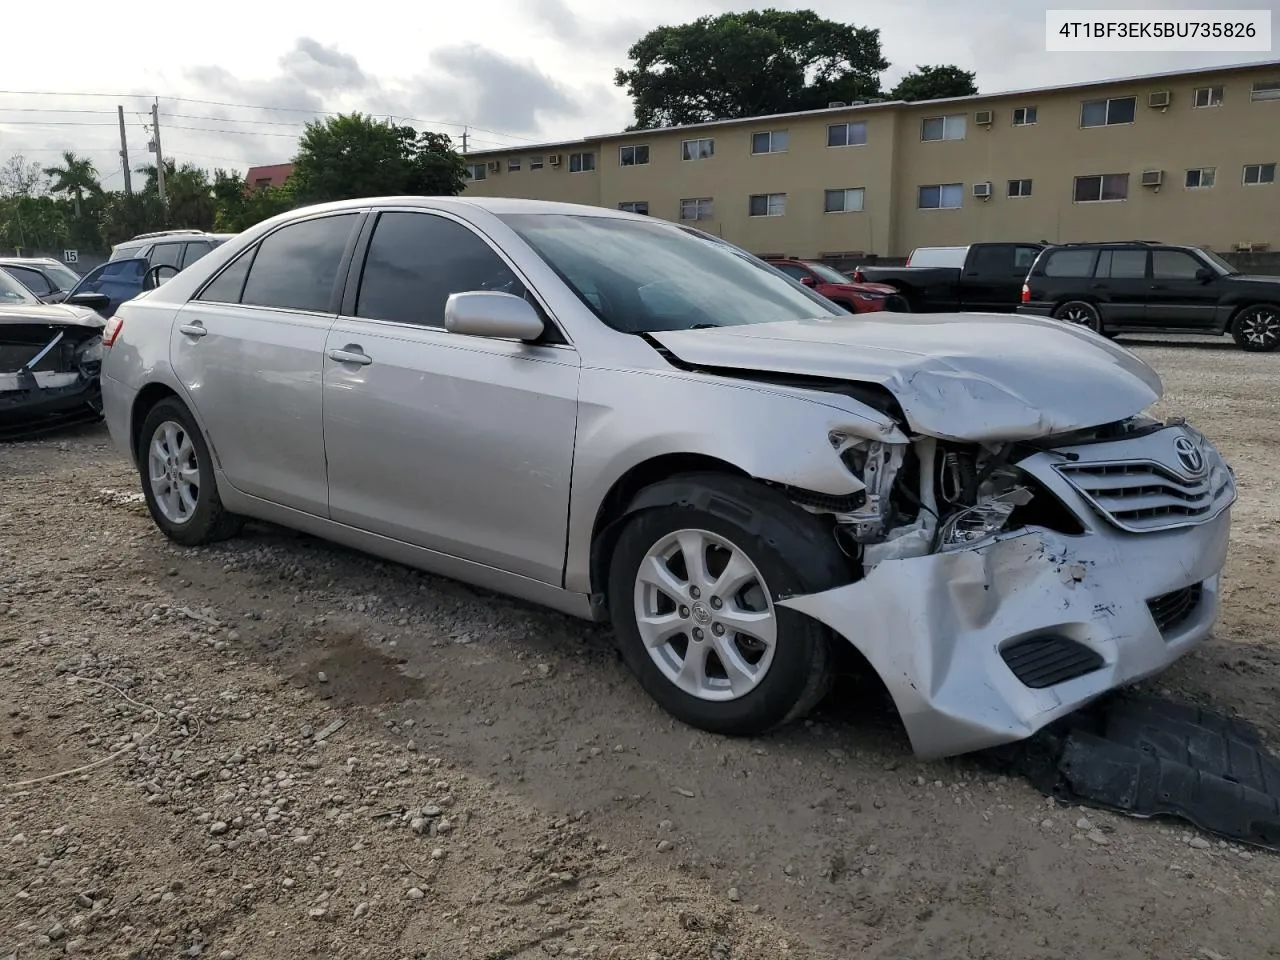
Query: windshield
829	274
1218	262
64	277
11	291
643	276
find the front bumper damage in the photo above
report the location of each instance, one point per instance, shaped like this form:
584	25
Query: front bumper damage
50	377
986	645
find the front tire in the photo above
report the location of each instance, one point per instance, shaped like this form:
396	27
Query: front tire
1257	328
177	478
1080	312
693	590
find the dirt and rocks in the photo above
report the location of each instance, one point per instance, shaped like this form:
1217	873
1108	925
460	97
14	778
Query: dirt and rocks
277	748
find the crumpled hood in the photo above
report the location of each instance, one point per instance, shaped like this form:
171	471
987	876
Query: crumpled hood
52	313
971	377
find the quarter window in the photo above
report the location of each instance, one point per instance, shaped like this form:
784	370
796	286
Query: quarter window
699	208
1019	188
943	128
582	162
226	288
768	205
701	149
633	156
848	200
1207	97
1258	173
847	134
296	267
1106	113
195	251
770	141
941	196
416	260
1099	187
1202	178
1024	116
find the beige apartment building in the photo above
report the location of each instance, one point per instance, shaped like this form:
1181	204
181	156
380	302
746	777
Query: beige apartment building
1187	157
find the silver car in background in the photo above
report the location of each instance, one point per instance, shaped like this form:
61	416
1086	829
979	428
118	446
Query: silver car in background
611	416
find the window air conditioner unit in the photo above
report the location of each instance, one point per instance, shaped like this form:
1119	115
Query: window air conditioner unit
837	103
984	118
982	190
554	159
1152	178
1159	100
1251	247
495	166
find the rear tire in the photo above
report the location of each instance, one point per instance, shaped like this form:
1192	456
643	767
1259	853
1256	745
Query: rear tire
707	639
176	471
1257	328
1080	312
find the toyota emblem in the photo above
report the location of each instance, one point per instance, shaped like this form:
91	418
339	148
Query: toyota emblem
1188	455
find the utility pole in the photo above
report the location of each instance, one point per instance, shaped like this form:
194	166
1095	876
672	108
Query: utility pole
464	141
155	142
124	154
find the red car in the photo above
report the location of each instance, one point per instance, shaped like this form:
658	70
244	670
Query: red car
835	286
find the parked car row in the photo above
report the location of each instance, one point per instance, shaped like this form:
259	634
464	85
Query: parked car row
1112	288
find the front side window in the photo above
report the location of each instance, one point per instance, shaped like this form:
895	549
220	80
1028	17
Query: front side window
416	260
767	205
1174	265
700	149
699	208
847	134
943	128
770	141
641	276
1106	113
296	267
582	162
1099	187
847	200
941	196
633	156
63	278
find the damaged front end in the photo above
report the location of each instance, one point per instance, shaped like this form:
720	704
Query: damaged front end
1005	585
49	375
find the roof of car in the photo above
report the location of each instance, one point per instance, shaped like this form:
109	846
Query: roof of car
20	261
494	205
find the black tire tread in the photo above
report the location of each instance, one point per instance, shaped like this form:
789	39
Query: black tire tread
1235	329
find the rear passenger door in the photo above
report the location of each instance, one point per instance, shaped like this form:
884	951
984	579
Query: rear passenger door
249	348
1121	285
458	444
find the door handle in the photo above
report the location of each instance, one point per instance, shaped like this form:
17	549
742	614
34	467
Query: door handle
352	355
194	329
1158	286
1097	286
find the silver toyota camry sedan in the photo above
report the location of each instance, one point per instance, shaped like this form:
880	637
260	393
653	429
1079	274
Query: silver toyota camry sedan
623	419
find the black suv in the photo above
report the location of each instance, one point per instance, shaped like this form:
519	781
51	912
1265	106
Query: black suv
1149	287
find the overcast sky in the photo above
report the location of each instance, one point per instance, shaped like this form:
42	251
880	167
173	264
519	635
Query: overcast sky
516	71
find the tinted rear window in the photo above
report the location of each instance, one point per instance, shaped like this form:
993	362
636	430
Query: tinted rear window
1069	263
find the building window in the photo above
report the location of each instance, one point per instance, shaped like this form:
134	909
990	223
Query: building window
535	163
582	162
1201	179
699	208
634	156
635	206
1024	116
475	171
1259	173
848	200
943	128
770	141
1207	97
513	164
698	149
1019	188
1107	113
941	196
767	205
1100	187
847	134
1265	90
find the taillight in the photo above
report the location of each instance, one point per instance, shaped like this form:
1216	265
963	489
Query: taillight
111	331
859	276
1026	293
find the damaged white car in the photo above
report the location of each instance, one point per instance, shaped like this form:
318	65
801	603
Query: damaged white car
609	415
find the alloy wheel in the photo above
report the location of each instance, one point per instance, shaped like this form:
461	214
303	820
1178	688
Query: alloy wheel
1260	327
173	471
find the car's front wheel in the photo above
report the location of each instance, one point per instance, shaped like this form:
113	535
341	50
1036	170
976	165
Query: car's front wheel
177	478
1257	328
693	591
1082	313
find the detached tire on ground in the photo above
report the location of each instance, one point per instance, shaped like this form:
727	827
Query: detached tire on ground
692	590
1257	328
177	478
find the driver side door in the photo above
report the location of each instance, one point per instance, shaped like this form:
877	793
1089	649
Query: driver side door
117	280
458	444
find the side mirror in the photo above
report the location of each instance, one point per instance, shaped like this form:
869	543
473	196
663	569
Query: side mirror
807	281
92	300
1204	275
487	313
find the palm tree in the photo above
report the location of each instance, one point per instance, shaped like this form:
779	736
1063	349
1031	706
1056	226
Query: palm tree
189	195
77	176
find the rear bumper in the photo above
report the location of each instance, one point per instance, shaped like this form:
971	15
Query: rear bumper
117	410
1036	309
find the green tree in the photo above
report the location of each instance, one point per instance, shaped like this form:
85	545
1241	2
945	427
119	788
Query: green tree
29	223
76	177
749	64
353	155
125	216
239	207
935	83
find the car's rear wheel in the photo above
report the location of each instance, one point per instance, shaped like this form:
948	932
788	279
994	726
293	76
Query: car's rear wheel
693	590
1081	313
1257	328
177	478
896	303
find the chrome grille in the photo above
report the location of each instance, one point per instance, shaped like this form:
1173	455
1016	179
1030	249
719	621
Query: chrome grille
1141	495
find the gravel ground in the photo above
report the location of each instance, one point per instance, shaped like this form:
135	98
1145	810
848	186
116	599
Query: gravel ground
278	748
